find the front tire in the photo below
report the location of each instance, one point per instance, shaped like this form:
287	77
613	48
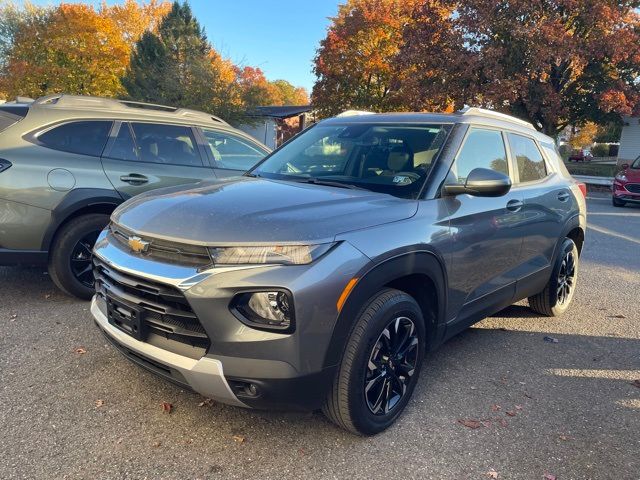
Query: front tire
618	203
380	365
70	264
556	297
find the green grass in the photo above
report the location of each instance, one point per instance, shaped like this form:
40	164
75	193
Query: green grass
592	169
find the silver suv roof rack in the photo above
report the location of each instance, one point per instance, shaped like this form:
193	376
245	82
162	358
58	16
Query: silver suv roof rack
483	112
101	103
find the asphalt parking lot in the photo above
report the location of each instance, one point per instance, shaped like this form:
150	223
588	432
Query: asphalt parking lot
565	407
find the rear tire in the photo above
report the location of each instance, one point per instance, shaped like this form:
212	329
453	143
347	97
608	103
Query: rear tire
371	388
618	203
556	297
70	256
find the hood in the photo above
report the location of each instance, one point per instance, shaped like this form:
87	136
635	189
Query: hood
255	210
632	174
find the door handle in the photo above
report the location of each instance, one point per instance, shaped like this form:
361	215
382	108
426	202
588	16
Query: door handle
515	205
134	179
563	196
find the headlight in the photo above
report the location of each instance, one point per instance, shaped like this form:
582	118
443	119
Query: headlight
622	177
268	254
266	310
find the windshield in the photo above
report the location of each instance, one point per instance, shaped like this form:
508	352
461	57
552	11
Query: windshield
636	164
393	159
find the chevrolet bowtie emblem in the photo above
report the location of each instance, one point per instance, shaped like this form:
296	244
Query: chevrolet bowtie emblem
138	245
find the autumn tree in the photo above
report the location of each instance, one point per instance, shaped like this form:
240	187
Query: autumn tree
133	18
355	62
290	94
554	63
584	136
71	48
256	90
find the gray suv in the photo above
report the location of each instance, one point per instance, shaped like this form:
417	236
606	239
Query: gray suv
66	162
322	277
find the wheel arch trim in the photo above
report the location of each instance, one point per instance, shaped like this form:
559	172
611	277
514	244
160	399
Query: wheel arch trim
374	278
76	201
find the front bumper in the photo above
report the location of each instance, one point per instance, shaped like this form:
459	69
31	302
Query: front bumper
290	370
205	375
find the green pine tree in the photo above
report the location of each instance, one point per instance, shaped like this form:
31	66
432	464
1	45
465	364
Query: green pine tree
174	67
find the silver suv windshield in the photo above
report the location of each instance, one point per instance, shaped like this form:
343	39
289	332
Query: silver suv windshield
393	159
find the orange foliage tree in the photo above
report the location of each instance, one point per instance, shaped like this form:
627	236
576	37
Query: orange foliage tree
554	63
74	48
355	62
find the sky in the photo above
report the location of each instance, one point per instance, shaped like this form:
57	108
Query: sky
279	36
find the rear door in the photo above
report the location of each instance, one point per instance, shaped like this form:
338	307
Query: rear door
548	202
142	156
231	154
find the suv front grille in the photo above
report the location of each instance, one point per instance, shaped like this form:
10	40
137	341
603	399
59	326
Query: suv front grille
164	250
166	314
633	187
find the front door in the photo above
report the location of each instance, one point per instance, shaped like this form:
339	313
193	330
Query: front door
143	156
484	254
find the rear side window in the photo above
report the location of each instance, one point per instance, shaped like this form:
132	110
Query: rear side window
124	148
232	152
530	161
168	144
481	149
84	138
19	110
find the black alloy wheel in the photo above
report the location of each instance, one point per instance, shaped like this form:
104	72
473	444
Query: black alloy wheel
566	277
81	259
391	366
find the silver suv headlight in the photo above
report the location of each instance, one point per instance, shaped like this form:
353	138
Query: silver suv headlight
268	254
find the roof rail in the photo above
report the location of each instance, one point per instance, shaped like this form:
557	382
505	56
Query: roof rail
354	113
483	112
187	112
81	101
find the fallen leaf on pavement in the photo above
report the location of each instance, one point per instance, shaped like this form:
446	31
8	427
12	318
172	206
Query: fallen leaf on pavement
238	438
492	474
636	383
157	444
47	296
206	402
80	350
511	413
495	408
99	403
563	437
13	316
167	407
518	407
486	423
549	476
503	422
616	316
550	339
470	423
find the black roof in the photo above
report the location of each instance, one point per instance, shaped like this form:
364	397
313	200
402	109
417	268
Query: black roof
284	111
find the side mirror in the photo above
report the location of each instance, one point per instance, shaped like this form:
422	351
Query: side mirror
625	166
482	182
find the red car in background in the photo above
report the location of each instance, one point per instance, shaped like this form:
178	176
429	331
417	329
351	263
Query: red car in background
581	155
626	185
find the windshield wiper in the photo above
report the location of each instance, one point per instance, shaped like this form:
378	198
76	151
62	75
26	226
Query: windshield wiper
329	183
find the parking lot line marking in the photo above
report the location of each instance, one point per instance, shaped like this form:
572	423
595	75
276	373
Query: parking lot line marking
592	373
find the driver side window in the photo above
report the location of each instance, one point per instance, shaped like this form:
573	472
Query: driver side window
481	149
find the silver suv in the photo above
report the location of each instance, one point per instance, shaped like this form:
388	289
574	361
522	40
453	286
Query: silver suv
66	162
323	276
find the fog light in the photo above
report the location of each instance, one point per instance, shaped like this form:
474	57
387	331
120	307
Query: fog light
269	310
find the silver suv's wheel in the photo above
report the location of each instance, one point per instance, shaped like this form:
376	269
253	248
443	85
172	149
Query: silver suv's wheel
557	295
380	366
70	264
